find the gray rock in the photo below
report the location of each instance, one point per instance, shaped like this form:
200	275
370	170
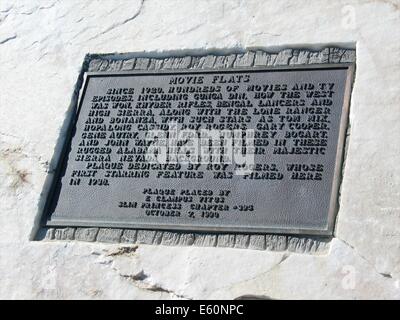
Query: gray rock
263	58
86	234
335	54
208	62
348	56
49	234
295	244
64	233
177	63
205	240
225	61
129	236
114	65
103	65
94	65
128	64
181	63
339	55
170	238
156	64
167	63
306	245
319	56
142	63
283	57
242	241
186	239
245	60
109	235
226	240
257	242
145	236
299	57
158	237
196	62
276	242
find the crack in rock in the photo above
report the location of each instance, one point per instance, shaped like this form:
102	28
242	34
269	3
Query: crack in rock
284	257
383	274
141	280
123	251
8	39
140	276
7	9
48	7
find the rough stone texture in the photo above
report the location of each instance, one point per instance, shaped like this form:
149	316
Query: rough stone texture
244	60
109	235
285	57
177	62
276	242
142	63
155	64
263	58
42	46
86	234
170	238
225	61
226	240
129	236
205	240
158	237
49	234
208	61
257	241
315	245
64	234
145	236
128	64
186	239
242	241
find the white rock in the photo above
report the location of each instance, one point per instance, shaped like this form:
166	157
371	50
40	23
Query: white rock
42	47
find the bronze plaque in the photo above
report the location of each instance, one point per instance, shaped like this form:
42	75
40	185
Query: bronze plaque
246	150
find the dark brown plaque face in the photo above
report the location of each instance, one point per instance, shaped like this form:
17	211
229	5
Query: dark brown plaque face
236	150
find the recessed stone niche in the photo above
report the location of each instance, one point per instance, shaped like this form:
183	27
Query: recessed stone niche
301	92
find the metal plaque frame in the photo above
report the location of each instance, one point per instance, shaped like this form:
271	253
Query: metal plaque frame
340	152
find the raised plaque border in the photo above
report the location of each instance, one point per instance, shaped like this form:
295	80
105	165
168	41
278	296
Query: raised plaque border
188	62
